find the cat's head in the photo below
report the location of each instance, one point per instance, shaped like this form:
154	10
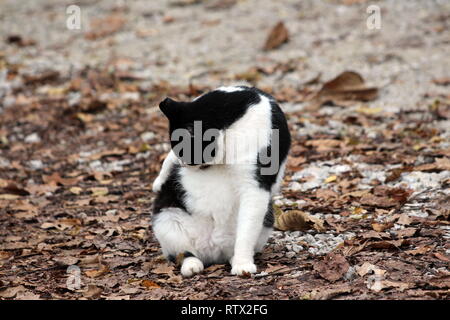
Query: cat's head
194	132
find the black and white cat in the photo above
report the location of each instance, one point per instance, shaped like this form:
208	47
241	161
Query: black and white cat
218	208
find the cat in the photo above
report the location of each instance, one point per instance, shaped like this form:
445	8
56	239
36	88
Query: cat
216	207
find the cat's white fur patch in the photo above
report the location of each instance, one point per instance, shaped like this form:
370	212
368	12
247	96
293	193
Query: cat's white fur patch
229	89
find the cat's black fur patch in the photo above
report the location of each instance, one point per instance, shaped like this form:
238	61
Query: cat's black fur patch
186	254
278	122
216	110
269	218
172	193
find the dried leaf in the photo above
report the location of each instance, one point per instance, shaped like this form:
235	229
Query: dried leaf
97	272
332	267
366	268
149	284
440	164
348	86
92	291
277	36
99	191
102	27
297	220
163	268
11	292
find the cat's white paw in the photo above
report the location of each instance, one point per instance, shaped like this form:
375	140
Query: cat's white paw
240	269
157	184
191	266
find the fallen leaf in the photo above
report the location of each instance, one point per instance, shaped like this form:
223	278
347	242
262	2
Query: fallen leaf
442	81
330	179
406	233
103	269
347	86
440	164
332	267
394	244
404	219
75	190
367	267
420	250
380	227
149	284
99	191
375	201
163	268
276	268
92	291
11	292
277	36
441	257
102	27
331	293
296	220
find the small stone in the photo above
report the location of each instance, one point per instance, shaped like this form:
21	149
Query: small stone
33	138
290	254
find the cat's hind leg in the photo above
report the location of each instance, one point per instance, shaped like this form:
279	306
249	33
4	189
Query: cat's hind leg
191	265
175	231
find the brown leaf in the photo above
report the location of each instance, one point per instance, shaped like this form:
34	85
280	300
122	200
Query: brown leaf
441	257
149	284
394	244
92	291
404	219
326	194
375	201
56	179
163	268
277	36
14	189
296	220
379	285
11	292
442	81
330	293
221	4
102	27
97	272
276	268
332	267
440	164
406	233
380	227
420	250
348	86
375	235
366	268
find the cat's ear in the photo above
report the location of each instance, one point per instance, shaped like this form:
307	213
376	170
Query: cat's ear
170	108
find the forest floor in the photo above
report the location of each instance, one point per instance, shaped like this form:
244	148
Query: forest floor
366	195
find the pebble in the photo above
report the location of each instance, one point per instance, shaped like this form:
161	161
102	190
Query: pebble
32	138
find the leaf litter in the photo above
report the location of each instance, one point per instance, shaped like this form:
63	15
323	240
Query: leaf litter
363	211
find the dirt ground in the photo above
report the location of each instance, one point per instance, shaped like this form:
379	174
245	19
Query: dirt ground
364	210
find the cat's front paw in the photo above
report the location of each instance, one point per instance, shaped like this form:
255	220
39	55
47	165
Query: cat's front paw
240	269
191	266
